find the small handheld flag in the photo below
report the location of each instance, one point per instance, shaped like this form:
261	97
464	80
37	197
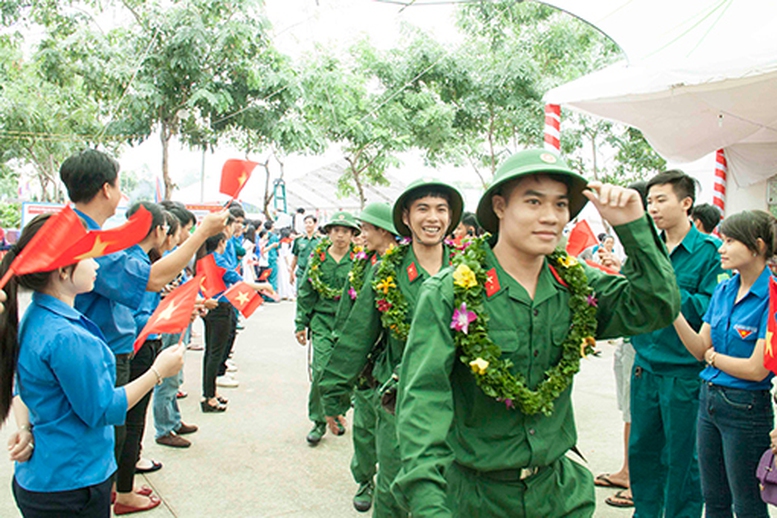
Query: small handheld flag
244	298
234	175
580	238
770	361
212	276
173	314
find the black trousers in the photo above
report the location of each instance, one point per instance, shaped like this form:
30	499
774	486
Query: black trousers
86	502
220	324
122	378
136	418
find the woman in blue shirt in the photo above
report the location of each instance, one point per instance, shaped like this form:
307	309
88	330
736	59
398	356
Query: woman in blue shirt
65	375
735	411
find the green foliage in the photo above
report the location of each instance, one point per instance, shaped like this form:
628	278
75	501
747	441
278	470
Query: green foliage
10	215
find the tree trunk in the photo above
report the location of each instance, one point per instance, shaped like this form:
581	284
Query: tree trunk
165	135
268	196
359	186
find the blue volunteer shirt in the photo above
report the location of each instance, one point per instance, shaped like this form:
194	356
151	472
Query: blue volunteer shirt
118	291
230	276
736	327
66	376
150	299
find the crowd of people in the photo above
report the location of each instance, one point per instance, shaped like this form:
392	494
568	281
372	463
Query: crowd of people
454	337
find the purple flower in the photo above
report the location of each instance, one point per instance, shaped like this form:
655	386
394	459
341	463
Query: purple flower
361	255
462	318
352	293
405	241
591	299
509	403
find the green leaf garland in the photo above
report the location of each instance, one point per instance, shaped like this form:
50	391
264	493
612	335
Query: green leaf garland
389	299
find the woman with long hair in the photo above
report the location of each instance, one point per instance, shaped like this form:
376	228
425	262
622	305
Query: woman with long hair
64	373
735	410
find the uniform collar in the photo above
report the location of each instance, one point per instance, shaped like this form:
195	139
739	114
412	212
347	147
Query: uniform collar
136	251
547	284
55	305
690	241
760	287
90	223
414	265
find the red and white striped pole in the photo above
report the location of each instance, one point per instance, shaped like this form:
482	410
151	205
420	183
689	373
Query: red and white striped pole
719	192
553	127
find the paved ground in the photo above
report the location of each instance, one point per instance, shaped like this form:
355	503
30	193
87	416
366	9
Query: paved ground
252	461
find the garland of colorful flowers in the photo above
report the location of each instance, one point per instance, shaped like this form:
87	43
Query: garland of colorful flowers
389	299
314	272
483	356
356	276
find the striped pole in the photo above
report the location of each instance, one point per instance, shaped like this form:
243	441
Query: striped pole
719	192
553	127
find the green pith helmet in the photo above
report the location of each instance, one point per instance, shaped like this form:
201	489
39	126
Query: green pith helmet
525	163
378	214
457	203
342	219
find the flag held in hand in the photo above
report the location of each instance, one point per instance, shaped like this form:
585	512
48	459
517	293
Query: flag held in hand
770	349
173	314
63	240
244	298
580	238
212	276
234	176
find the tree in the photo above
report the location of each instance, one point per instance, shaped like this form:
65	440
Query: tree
370	125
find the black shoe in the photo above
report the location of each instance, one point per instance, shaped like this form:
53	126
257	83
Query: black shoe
207	407
315	435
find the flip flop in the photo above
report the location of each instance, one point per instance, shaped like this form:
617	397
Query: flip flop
619	500
603	480
155	466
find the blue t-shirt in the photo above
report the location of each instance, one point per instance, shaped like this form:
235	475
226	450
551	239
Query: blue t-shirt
150	300
735	327
118	291
230	276
66	376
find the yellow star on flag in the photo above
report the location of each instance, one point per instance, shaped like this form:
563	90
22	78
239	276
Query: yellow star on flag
243	298
242	178
769	350
98	249
168	312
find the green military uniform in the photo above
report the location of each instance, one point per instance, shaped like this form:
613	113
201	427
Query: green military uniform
665	383
466	454
317	313
365	330
302	248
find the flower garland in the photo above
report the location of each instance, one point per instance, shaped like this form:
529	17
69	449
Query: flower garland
356	275
389	300
317	257
482	355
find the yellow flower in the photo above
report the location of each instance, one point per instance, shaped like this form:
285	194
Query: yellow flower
588	341
350	276
567	261
464	277
479	366
314	267
386	284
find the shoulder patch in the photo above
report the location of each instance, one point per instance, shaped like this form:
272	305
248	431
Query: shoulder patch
412	272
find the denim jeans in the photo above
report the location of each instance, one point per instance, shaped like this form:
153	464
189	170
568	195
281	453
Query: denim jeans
733	432
167	415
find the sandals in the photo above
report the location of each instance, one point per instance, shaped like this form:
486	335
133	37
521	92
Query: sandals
603	480
155	466
619	499
208	408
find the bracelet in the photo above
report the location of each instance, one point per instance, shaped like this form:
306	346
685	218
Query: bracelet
711	361
26	427
156	373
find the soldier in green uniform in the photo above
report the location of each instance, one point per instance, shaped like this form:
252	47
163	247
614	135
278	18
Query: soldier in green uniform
379	234
317	300
302	248
484	415
426	212
665	383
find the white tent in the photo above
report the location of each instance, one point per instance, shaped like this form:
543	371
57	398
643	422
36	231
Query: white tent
699	75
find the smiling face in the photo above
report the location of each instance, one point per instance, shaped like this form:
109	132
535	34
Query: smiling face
428	218
310	226
533	215
666	209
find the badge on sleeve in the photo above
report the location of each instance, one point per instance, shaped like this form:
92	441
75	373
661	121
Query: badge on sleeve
492	282
744	332
374	259
412	272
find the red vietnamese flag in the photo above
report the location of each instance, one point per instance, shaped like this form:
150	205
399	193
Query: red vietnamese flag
234	176
174	312
492	282
265	275
103	242
580	238
63	240
244	298
212	276
770	362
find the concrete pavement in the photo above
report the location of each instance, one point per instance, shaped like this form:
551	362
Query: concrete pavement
253	461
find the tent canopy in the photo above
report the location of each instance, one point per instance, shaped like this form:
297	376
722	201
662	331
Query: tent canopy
698	76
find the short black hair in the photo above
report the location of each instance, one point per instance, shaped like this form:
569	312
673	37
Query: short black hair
750	225
85	173
683	185
237	212
268	224
310	216
431	191
708	215
157	215
468	219
213	242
